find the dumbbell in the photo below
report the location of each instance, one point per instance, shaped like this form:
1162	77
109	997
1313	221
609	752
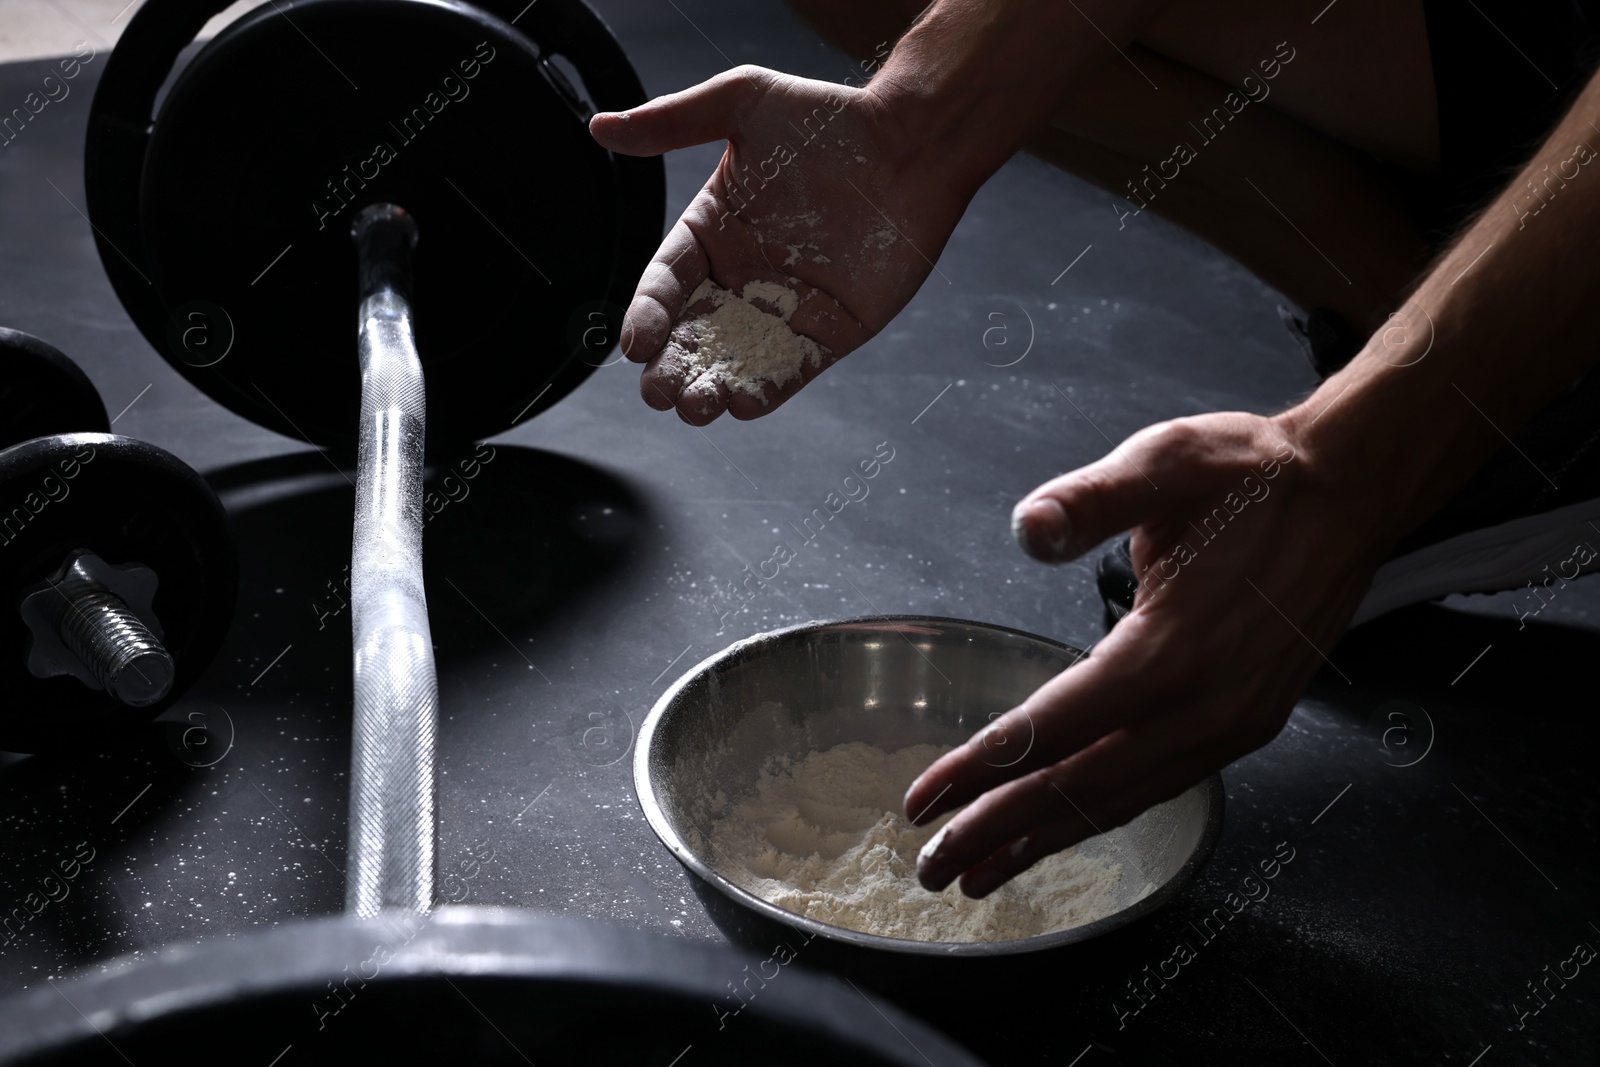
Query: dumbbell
42	392
319	159
116	565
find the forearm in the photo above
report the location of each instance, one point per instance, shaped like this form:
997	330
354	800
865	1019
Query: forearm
974	79
1500	326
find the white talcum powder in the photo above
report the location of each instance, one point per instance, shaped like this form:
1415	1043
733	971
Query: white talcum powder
740	344
824	838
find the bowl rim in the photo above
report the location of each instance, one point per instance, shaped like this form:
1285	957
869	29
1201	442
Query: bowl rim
1211	787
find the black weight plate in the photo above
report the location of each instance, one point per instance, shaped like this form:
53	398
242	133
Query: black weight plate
245	202
127	501
464	986
43	392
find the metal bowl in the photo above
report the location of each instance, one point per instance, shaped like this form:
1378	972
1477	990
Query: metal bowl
890	681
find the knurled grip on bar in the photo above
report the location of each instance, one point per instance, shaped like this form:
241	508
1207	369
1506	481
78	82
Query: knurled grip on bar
392	858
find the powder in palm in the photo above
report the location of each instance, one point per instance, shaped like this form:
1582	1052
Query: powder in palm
739	343
824	838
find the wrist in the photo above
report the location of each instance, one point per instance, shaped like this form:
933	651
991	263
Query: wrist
972	81
938	127
1394	439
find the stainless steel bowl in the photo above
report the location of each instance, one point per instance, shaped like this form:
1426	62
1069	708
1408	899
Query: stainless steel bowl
890	681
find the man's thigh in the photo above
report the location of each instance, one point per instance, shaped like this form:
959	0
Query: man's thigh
1362	72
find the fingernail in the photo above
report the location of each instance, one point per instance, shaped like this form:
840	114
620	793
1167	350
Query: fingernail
1041	528
625	335
934	869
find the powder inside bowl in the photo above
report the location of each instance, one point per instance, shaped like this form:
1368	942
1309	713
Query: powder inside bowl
823	837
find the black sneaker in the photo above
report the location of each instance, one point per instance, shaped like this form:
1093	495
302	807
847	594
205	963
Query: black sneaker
1115	579
1530	516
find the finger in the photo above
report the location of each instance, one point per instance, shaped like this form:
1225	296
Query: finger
744	404
664	378
1067	516
723	382
1118	686
679	266
703	399
1094	791
820	315
698	115
1016	856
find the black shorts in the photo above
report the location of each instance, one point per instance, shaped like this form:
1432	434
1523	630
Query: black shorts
1504	72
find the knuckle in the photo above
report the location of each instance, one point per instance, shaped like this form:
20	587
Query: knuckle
1058	781
750	81
1173	436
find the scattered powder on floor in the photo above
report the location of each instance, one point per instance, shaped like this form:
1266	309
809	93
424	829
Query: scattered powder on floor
741	344
823	837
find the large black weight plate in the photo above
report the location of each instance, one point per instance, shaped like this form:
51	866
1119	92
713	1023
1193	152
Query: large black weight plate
43	392
229	219
128	502
467	986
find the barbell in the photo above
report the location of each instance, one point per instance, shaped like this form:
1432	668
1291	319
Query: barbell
278	188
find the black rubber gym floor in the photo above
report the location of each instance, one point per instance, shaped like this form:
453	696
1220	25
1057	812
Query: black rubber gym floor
585	563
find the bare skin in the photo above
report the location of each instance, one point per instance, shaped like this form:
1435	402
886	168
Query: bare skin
944	113
1209	664
1359	85
886	221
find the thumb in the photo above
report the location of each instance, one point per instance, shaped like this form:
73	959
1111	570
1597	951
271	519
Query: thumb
701	114
1067	516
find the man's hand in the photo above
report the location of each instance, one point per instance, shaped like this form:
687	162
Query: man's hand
1252	559
819	191
1233	617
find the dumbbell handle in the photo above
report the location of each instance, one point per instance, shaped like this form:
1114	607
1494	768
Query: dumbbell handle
113	644
392	857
